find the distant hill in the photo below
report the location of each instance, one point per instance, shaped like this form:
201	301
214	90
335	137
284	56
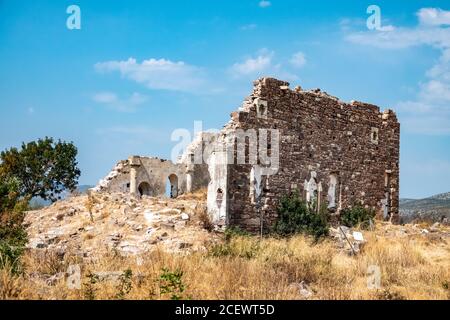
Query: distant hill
37	203
433	208
84	188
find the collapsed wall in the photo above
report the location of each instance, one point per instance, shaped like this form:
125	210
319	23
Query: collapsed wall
145	176
279	141
154	177
336	153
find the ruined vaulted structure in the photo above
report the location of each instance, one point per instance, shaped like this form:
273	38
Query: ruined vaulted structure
280	141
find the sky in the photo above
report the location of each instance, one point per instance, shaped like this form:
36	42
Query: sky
136	71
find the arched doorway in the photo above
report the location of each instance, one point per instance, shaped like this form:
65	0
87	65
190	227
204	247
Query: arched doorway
144	189
172	186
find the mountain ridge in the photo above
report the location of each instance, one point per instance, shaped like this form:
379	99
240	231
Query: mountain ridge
433	209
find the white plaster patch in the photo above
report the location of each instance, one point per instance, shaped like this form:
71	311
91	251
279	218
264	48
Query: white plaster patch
261	108
374	135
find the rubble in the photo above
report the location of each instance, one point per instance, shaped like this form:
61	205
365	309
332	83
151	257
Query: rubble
350	241
334	152
130	226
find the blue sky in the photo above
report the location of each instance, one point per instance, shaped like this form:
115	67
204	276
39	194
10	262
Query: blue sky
137	70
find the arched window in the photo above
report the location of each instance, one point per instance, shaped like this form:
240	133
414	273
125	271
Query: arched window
219	197
332	187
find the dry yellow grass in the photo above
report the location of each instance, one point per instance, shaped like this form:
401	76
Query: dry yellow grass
412	267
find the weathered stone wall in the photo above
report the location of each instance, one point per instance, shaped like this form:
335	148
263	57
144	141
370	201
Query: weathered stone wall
196	158
152	175
353	147
338	153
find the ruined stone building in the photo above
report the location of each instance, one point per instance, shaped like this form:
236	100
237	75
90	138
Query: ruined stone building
280	141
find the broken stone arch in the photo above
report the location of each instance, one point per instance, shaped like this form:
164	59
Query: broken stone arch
144	189
173	185
361	142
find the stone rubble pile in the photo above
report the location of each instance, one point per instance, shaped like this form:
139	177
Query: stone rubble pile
120	222
347	239
103	183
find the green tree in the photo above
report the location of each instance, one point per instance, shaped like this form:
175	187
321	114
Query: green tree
42	168
9	194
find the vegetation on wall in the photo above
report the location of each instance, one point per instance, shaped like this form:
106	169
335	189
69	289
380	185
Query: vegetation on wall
357	215
297	216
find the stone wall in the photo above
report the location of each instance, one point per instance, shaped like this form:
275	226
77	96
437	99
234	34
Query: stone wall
336	153
196	158
152	177
354	148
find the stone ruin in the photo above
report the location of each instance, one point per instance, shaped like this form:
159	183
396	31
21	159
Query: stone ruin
279	141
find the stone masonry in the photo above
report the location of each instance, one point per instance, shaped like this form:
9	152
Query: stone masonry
336	153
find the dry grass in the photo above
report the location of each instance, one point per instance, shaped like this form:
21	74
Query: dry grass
199	195
413	267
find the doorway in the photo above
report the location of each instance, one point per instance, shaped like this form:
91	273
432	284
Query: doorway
144	189
172	186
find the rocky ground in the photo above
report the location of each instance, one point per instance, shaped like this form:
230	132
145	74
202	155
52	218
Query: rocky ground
82	246
86	225
89	224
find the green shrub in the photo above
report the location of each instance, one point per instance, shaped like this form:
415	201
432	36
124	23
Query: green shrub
125	284
247	248
171	283
89	287
12	234
235	231
296	216
357	216
13	239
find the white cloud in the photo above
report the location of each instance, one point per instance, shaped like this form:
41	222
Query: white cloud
386	28
129	130
429	111
433	17
264	4
435	91
400	38
298	59
429	167
346	24
134	135
253	65
123	105
442	69
159	74
105	97
261	65
250	26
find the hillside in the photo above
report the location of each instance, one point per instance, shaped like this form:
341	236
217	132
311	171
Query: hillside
433	209
38	203
116	247
85	225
